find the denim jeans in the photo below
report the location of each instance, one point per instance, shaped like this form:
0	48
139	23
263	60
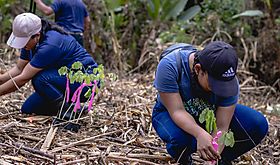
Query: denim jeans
79	37
248	125
49	93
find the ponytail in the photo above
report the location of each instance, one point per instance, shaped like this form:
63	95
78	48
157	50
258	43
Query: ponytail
47	26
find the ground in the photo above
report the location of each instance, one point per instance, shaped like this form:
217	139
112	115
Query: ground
119	131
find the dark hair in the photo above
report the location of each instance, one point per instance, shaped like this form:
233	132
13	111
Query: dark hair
195	86
196	61
47	26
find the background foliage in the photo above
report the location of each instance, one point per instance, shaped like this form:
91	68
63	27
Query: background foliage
128	36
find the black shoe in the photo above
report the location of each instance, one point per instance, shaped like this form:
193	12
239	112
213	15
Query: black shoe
65	117
65	124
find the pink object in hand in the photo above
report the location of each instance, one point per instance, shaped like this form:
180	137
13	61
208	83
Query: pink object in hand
215	143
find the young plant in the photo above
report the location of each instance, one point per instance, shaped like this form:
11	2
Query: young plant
92	79
225	138
208	116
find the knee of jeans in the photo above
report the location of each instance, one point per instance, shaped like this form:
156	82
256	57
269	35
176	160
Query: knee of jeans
261	126
179	150
183	140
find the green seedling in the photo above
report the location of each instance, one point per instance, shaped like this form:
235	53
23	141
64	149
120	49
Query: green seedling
208	116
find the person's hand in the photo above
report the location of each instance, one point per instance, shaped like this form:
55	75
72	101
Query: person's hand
204	147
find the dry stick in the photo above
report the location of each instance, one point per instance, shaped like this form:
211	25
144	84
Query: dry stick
121	142
35	155
49	138
114	157
8	126
34	151
131	159
255	46
246	81
8	114
246	53
3	162
55	125
32	138
39	142
39	139
77	161
142	63
143	156
82	141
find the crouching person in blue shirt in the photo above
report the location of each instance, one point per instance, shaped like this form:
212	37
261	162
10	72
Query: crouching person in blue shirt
45	47
204	79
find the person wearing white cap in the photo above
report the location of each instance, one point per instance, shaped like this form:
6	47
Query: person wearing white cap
45	47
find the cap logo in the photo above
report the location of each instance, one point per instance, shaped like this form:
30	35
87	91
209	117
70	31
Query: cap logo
229	73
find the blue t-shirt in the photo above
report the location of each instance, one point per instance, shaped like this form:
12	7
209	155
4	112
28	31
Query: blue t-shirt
166	81
57	50
70	14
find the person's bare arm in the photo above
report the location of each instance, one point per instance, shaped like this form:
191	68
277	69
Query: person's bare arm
16	70
223	119
175	107
47	10
86	24
27	74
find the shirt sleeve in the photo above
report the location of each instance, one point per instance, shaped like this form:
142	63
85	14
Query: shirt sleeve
166	76
25	54
46	56
56	5
225	102
85	11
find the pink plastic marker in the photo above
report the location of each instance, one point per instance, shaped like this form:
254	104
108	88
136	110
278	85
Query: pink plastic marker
215	143
77	97
92	95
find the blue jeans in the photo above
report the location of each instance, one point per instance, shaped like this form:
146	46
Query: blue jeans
248	125
49	93
79	37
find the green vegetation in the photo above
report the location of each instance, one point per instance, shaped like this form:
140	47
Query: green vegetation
79	74
127	34
209	118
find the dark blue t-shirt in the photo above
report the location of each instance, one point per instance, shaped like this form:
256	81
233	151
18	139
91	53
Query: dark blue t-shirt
57	50
166	81
70	14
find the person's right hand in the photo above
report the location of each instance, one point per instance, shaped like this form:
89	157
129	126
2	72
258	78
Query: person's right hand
204	146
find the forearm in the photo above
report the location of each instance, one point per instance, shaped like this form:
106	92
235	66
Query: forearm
9	74
224	116
86	24
186	122
11	85
43	7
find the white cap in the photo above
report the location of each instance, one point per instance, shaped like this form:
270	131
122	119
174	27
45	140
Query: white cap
25	25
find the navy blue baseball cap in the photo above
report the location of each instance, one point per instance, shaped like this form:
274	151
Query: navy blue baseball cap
220	61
